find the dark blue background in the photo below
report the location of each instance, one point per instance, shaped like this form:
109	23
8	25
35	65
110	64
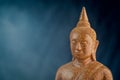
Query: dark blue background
34	36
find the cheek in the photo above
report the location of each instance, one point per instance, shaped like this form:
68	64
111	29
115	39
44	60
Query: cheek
88	49
72	47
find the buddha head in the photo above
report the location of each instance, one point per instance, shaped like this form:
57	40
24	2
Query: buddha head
83	39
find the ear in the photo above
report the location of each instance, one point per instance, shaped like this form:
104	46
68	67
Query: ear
96	44
93	56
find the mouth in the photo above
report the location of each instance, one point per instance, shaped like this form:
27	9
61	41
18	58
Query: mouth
77	51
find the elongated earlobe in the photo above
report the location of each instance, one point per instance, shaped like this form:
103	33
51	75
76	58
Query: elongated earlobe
94	50
97	43
96	46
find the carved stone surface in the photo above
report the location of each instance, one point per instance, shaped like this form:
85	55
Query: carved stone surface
83	47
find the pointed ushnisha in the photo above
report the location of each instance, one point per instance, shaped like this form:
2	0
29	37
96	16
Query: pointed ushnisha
83	18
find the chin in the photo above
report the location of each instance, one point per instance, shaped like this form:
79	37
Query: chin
77	56
82	57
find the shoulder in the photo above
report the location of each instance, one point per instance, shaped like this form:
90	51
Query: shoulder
103	72
64	67
62	70
106	72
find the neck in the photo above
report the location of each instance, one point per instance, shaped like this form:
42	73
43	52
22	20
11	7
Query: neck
83	62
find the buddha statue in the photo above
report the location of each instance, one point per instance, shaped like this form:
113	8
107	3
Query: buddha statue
84	65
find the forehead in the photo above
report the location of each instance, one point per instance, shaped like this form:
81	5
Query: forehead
80	36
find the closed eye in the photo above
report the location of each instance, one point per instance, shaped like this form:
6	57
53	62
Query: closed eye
73	41
85	42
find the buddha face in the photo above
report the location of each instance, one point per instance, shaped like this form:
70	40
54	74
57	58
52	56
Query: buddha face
81	45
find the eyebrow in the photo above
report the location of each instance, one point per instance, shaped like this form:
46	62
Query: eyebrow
73	40
85	41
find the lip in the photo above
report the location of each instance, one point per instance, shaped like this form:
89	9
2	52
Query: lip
77	51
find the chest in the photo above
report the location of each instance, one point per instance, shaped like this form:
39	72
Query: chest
83	73
70	73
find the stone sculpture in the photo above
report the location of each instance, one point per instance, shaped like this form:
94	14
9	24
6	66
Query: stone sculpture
83	44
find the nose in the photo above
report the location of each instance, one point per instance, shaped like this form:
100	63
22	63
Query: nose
78	46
